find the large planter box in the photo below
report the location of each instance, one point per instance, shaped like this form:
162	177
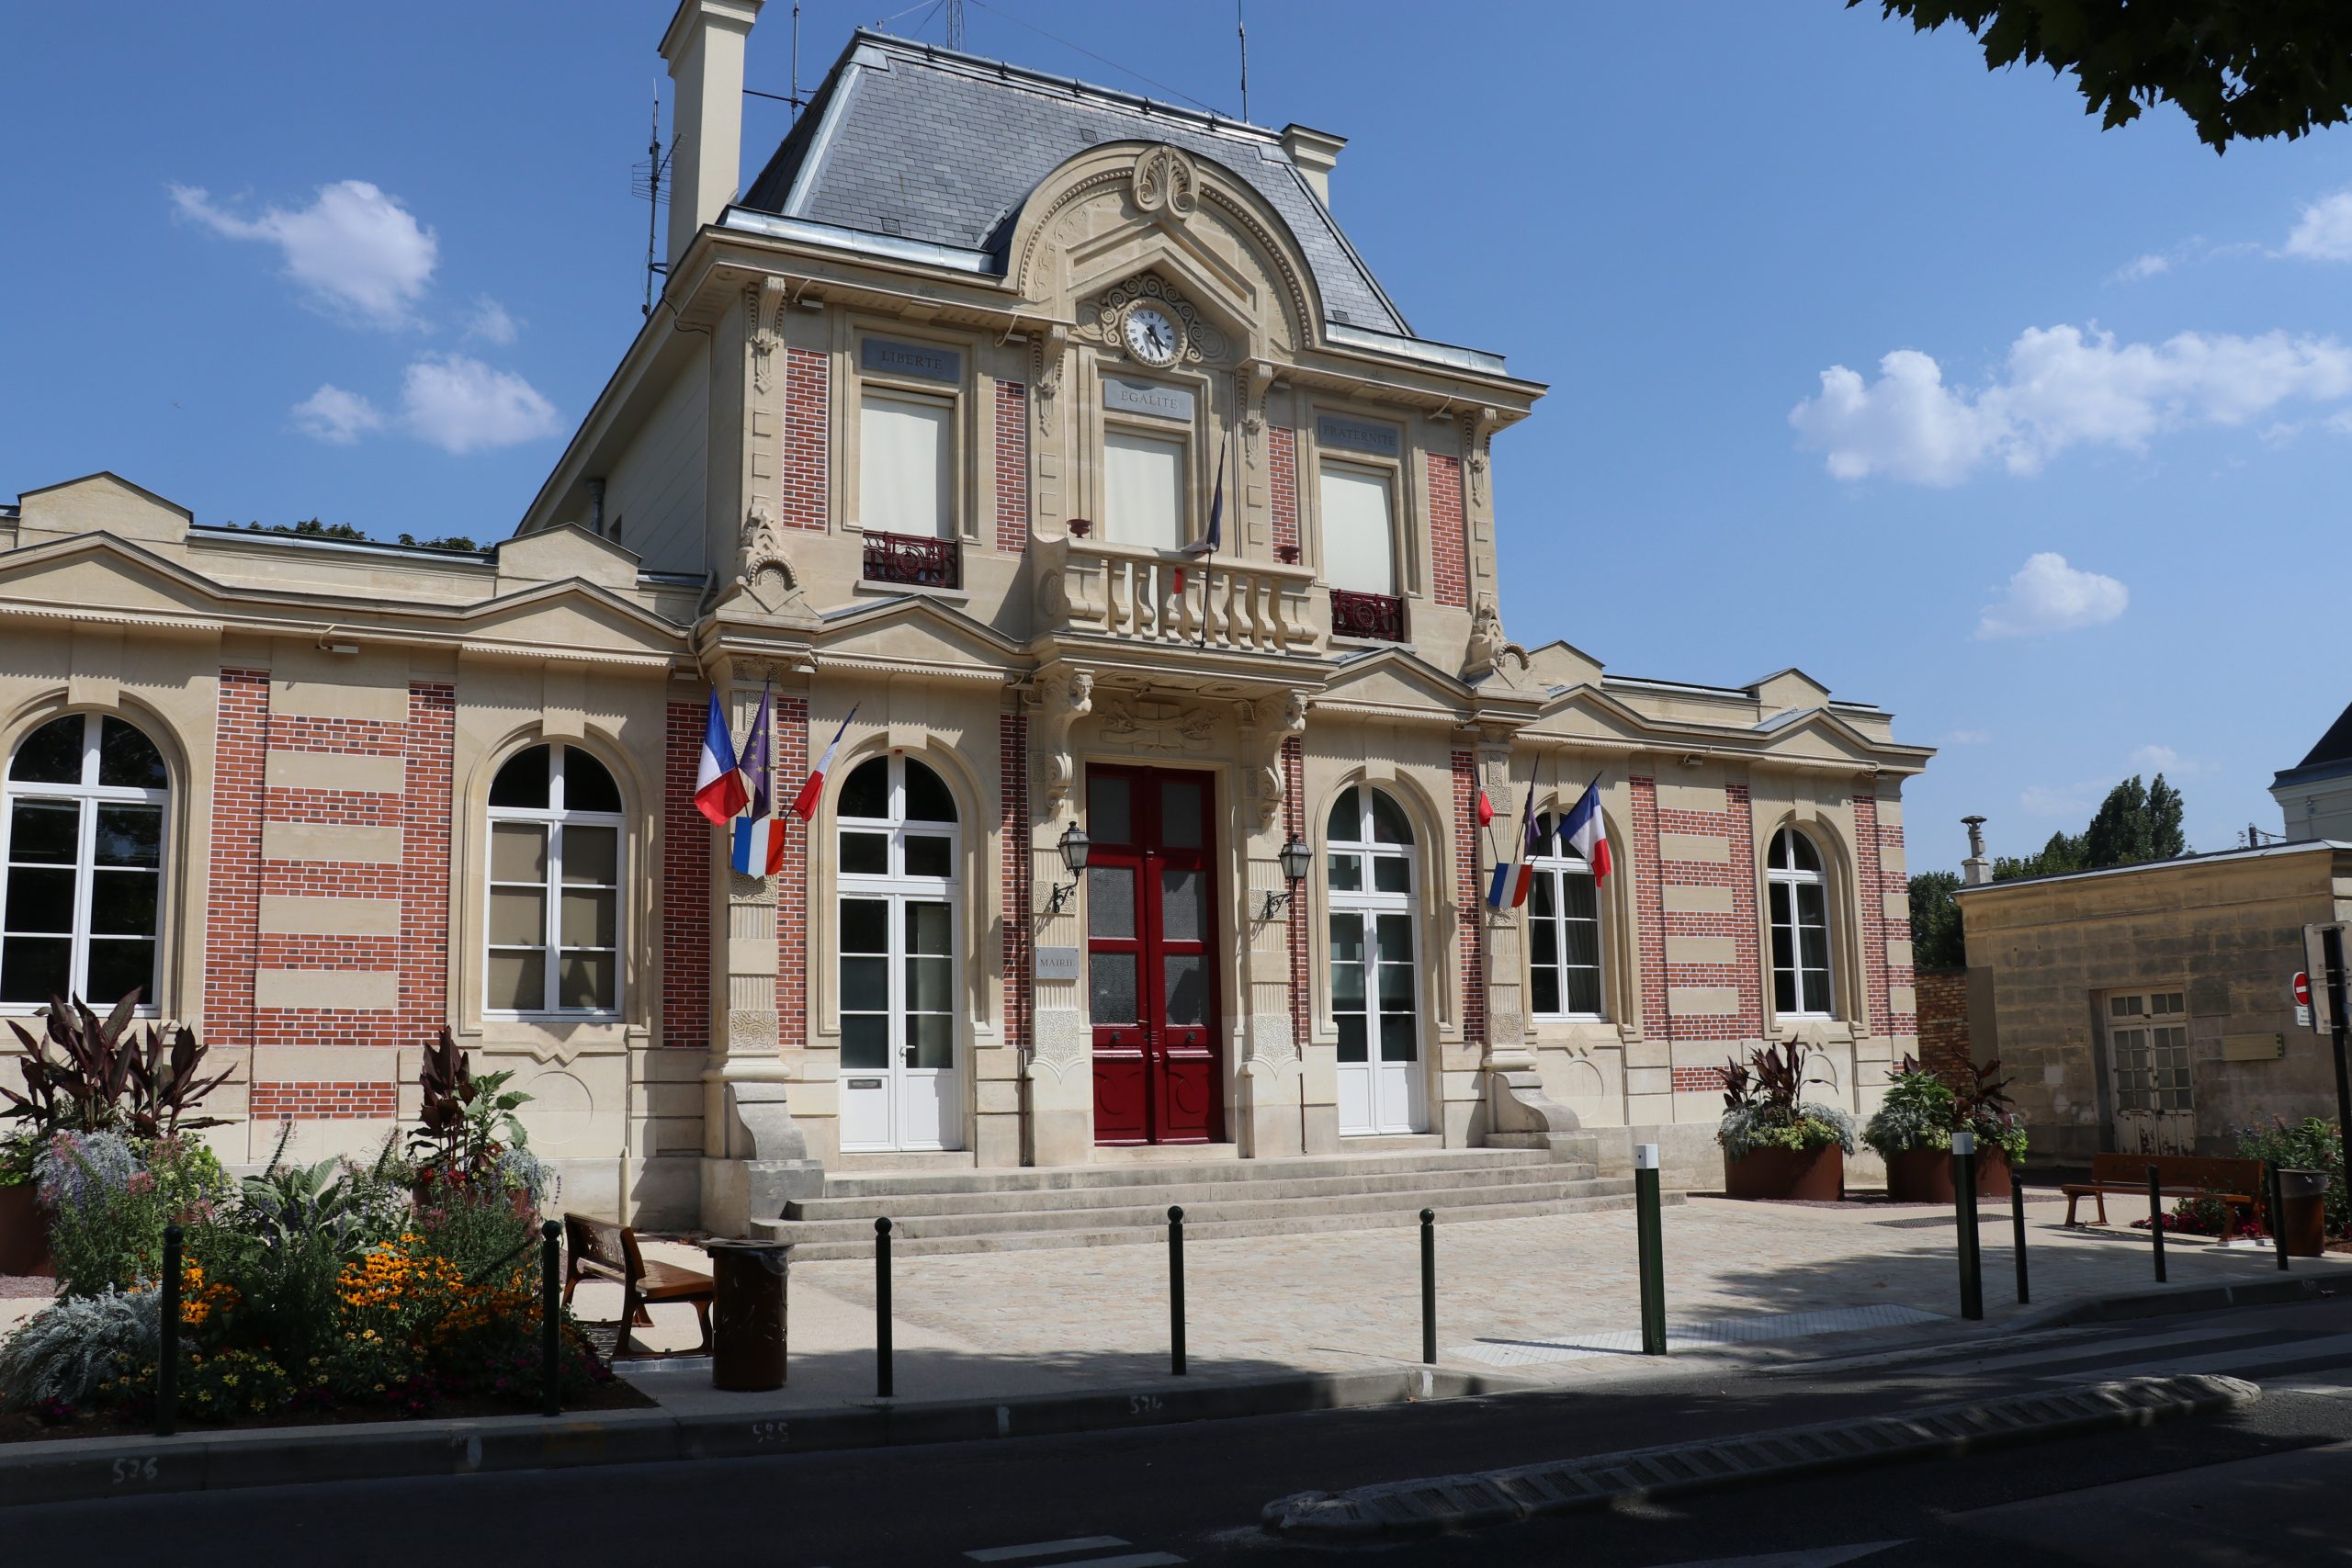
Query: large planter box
24	1232
1818	1176
1924	1176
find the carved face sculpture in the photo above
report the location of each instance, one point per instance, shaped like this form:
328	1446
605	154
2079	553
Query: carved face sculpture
1150	335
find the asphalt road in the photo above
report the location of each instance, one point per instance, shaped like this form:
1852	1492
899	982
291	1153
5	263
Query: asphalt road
2258	1487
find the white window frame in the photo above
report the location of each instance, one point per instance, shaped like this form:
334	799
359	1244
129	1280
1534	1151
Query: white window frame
965	507
1366	898
555	817
1792	877
1389	475
88	795
897	887
1556	864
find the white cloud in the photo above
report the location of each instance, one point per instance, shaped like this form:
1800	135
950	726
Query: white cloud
2061	387
462	405
2047	595
490	321
2156	759
1968	738
2150	265
353	249
335	416
2324	232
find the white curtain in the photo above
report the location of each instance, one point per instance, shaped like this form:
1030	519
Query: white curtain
1359	544
902	467
1143	490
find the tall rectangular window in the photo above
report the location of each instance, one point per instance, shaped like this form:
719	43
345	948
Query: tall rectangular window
1143	489
904	466
1359	534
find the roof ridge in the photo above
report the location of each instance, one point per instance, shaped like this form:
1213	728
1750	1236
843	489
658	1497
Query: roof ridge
938	56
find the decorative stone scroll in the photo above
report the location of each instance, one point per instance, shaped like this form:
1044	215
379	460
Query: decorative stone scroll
1165	181
1062	700
1204	343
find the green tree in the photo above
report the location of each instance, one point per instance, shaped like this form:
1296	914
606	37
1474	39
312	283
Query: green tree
2135	823
1937	940
2241	70
2063	852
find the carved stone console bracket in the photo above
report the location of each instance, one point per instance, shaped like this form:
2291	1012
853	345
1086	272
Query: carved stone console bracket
1062	701
1272	721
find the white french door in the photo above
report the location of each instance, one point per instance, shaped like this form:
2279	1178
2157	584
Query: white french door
1370	876
901	1088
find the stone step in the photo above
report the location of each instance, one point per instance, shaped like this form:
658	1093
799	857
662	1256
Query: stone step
1237	1206
908	1205
1033	1179
1291	1222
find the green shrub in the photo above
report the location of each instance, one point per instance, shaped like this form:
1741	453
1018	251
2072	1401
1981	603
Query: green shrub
70	1346
2311	1144
1764	1107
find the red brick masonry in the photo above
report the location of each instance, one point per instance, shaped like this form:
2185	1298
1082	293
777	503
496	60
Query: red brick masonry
324	1101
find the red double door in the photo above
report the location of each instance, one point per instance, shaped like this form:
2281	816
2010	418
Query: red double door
1151	973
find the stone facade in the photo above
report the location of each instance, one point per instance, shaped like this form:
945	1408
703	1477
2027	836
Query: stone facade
331	717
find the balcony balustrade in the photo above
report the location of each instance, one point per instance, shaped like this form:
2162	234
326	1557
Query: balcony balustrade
913	559
1142	594
1380	616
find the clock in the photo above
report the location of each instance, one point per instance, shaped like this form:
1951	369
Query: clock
1151	336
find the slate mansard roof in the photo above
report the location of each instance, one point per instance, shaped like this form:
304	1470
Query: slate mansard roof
2331	757
916	142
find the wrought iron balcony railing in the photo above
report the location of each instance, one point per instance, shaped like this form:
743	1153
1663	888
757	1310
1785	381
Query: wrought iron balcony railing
1380	616
913	559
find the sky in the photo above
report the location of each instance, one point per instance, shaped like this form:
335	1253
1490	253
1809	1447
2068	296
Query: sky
1861	359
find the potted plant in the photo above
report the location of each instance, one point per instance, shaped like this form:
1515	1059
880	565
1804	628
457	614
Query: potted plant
1912	1132
469	1144
1776	1143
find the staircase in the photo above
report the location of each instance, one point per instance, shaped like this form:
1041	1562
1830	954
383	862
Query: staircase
1112	1205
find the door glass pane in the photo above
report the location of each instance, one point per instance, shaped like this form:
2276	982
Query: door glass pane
518	917
1347	961
1542	933
930	984
117	967
932	1036
1111	901
1187	994
1396	987
590	918
1397	1037
865	925
1395	938
1114	987
1109	819
127	758
40	900
32	968
129	835
1180	814
1350	1026
928	930
591	854
52	754
1346	825
518	852
866	791
865	1040
122	903
1391	873
42	832
866	985
518	980
523	782
1347	874
587	980
928	854
1181	899
1389	824
927	796
865	854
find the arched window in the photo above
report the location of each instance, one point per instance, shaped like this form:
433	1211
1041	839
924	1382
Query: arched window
555	880
901	1082
84	862
1371	879
1563	929
1799	895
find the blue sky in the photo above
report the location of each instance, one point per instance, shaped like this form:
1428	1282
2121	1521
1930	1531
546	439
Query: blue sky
369	262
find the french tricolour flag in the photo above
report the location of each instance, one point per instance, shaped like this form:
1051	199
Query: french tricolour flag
1513	879
804	805
1587	833
759	837
718	786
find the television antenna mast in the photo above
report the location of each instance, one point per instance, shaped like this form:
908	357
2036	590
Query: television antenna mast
645	183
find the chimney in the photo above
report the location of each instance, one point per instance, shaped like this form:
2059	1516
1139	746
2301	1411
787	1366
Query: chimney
1976	871
705	50
1314	151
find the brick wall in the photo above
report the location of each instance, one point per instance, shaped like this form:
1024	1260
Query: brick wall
806	400
685	885
1891	879
424	861
1872	908
1650	920
1466	896
1295	827
324	1101
1697	1081
791	753
1735	872
1449	536
1012	468
232	915
1013	869
1282	485
1943	1022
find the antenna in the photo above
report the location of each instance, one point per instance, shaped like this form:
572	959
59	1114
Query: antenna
1242	27
955	24
795	61
645	182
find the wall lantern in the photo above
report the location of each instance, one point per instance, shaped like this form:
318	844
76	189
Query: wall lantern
1295	858
1075	847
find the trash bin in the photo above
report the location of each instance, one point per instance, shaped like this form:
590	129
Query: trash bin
2303	1195
746	1314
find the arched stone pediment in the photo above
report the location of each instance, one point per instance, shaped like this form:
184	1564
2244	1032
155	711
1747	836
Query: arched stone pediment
1125	209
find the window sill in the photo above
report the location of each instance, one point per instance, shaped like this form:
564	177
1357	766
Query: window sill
551	1018
870	588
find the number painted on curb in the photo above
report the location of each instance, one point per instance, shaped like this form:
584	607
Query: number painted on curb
768	1432
134	1469
1143	1404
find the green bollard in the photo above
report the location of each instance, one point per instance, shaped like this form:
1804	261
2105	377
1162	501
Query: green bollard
1175	1290
1649	1232
1429	1287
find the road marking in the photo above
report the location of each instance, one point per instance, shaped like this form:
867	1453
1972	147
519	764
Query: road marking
1753	1330
1811	1557
2246	1363
2087	1348
1075	1543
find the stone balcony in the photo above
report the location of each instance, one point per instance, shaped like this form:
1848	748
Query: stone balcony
1138	594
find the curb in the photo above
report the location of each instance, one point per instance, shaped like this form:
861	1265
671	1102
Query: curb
80	1468
1437	1505
2138	1304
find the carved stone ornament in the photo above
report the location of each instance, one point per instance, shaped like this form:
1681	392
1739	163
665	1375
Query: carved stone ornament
763	549
1052	345
1157	724
1275	720
1249	386
765	304
1064	699
1204	343
1165	181
1489	652
1478	430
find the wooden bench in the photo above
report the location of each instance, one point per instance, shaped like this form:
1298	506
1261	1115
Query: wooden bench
600	1250
2233	1181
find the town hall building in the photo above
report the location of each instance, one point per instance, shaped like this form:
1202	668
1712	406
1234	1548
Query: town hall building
1059	445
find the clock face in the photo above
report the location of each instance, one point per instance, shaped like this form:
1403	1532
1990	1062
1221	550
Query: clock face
1151	336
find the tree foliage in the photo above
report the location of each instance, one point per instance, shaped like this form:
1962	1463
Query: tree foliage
346	532
2241	70
2135	823
1936	936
